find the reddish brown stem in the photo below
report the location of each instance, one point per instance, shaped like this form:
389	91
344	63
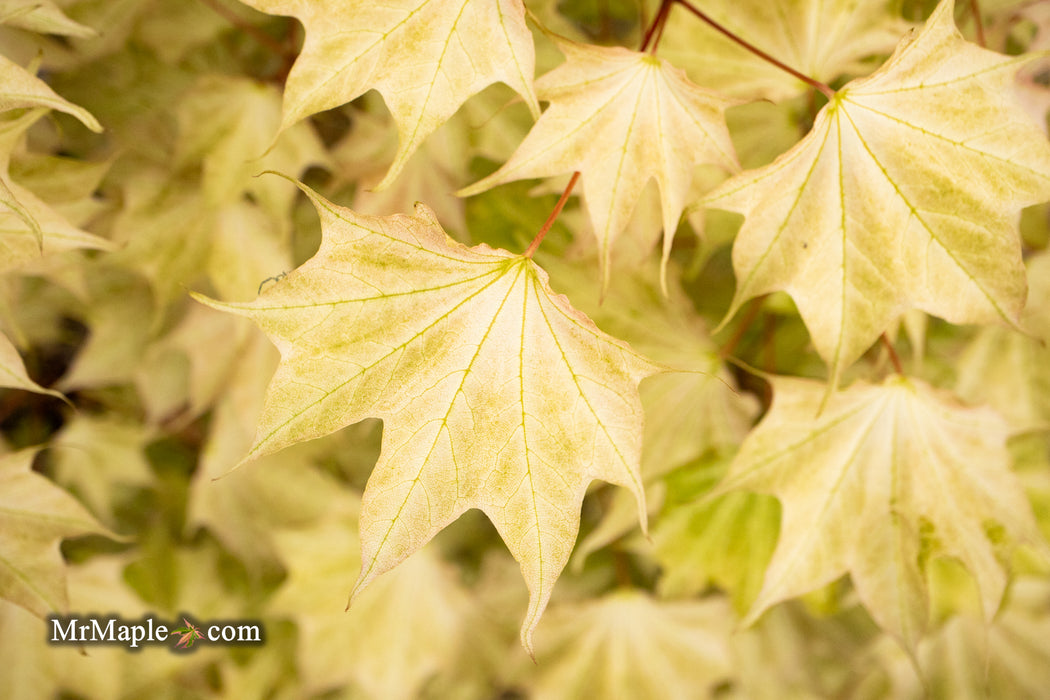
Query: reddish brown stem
975	10
816	84
656	29
749	317
893	354
622	567
769	331
249	29
554	215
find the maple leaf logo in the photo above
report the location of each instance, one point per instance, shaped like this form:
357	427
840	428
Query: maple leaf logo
190	634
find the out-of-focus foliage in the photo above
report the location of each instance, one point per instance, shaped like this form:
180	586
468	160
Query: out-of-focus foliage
827	518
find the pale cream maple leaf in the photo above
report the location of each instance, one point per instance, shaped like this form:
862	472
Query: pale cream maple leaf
426	57
904	195
881	479
621	118
495	393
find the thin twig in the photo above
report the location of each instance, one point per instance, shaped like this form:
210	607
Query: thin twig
655	30
554	215
828	92
249	29
749	317
769	329
893	354
622	567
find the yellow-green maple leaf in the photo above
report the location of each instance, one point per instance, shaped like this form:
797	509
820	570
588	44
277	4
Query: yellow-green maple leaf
368	648
227	125
496	394
20	89
102	459
621	118
243	509
726	542
34	515
689	411
38	669
1010	370
13	371
41	16
820	38
904	195
968	658
29	228
883	478
628	645
426	57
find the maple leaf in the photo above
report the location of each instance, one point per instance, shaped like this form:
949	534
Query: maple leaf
41	16
445	52
227	124
367	648
628	645
820	38
1010	370
662	124
101	459
886	477
904	195
39	669
690	410
34	515
243	508
13	370
29	228
21	89
727	541
496	394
